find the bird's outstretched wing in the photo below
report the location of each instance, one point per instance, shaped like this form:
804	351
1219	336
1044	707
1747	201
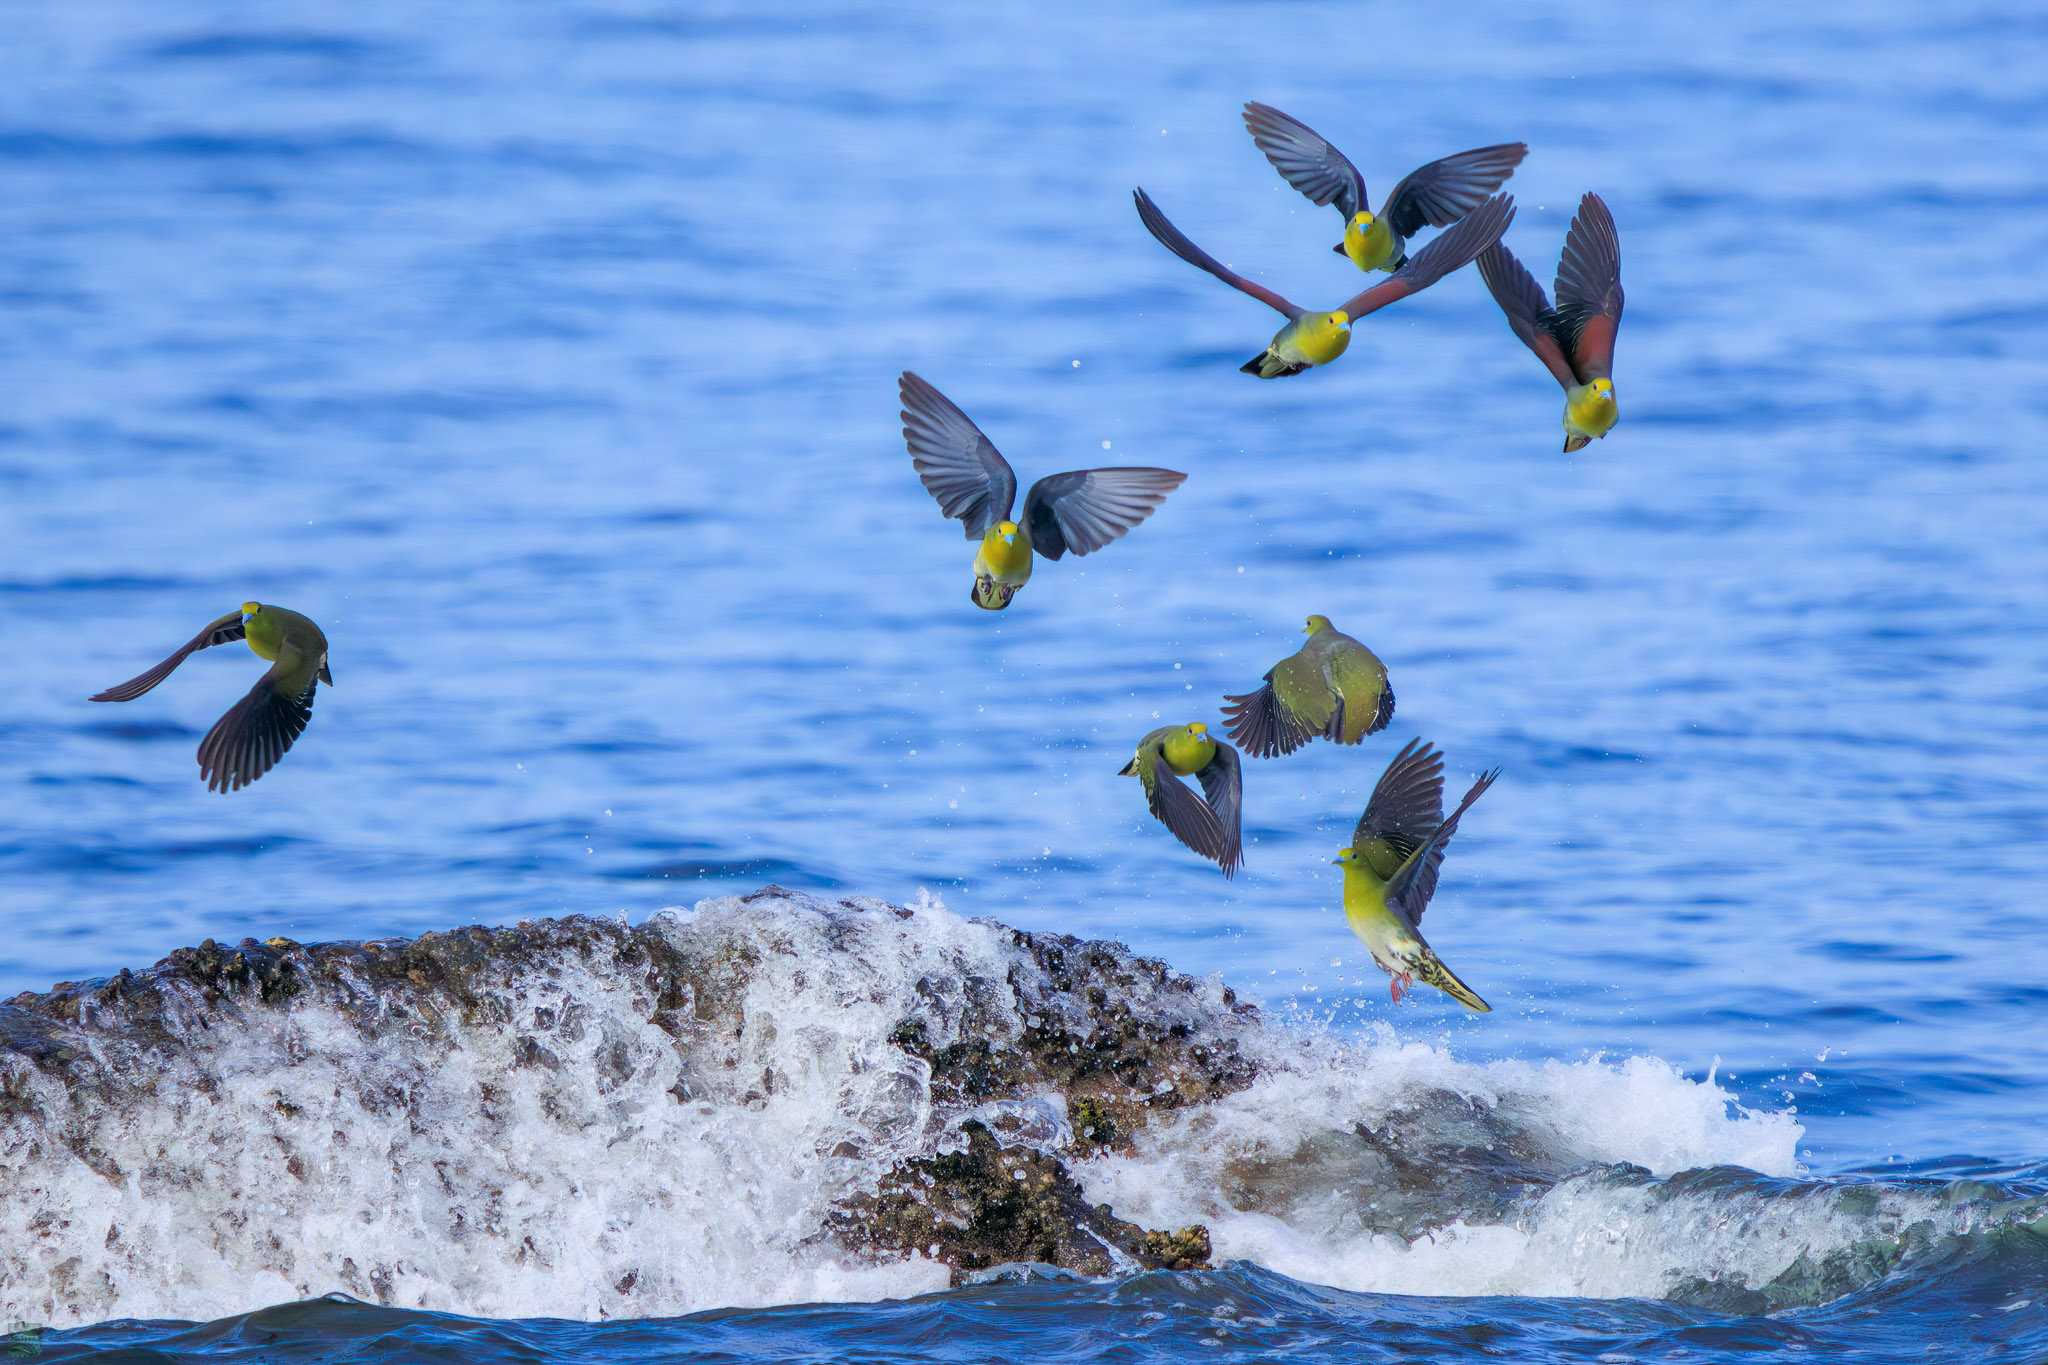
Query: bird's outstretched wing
1589	296
1452	250
1444	191
248	741
1084	509
1528	312
1409	890
1174	805
1408	803
218	632
1223	788
960	467
1307	161
1176	241
1292	708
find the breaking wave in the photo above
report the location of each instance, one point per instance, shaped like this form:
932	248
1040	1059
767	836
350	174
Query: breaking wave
776	1099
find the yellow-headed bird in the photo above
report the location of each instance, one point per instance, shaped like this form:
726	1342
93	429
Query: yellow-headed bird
1574	340
1390	870
1311	339
1435	195
1080	511
1211	824
248	741
1333	686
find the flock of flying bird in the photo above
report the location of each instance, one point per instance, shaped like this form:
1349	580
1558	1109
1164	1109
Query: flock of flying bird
1333	687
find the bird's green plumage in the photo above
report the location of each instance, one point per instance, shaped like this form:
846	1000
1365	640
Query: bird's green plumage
1299	682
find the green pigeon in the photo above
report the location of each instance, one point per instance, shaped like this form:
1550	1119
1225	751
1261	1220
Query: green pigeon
1436	195
1390	870
1077	512
1332	687
248	741
1575	339
1211	824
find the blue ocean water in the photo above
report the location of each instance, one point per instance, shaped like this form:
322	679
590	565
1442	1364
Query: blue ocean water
547	357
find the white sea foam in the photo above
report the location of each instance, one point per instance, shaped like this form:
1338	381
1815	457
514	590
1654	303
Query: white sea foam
1248	1167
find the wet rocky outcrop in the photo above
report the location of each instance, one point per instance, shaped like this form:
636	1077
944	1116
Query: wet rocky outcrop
989	1205
355	1072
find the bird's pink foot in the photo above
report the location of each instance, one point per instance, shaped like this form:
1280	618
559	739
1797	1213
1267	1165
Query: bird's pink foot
1394	988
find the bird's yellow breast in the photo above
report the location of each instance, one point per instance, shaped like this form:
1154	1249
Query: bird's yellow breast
1590	409
1371	246
1365	908
1314	338
264	632
1007	560
1186	753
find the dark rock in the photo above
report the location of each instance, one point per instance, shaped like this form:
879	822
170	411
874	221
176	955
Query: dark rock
989	1205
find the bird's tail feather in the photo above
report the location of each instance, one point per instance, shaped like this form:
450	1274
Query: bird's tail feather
1266	365
1444	979
990	595
1575	442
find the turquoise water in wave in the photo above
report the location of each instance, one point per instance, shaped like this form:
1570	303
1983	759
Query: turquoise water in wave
547	357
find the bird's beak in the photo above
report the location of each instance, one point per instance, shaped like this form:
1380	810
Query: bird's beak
1010	539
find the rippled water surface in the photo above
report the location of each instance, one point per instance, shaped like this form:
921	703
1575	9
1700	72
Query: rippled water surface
547	357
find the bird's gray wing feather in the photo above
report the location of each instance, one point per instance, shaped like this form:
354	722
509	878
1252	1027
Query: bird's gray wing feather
1176	241
1223	787
1306	159
1408	803
960	467
1409	890
1528	312
1589	296
1261	725
1083	510
1182	812
220	631
248	741
1444	191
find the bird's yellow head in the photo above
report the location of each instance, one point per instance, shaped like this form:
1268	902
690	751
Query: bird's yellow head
1196	729
1603	390
1345	857
1361	221
1008	532
251	608
1316	625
